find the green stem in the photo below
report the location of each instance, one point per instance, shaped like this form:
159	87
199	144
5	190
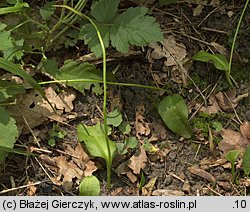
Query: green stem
104	89
109	83
234	41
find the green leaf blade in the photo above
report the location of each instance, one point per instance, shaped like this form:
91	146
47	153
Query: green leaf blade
246	161
174	114
9	89
8	132
89	35
90	186
104	10
134	27
219	61
95	141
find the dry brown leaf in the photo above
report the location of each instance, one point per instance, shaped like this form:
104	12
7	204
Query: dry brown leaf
202	173
245	130
166	192
232	140
215	3
138	161
68	171
198	10
141	127
81	159
172	51
219	48
131	177
31	189
225	100
35	110
148	188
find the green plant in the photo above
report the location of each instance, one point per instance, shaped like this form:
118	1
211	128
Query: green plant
89	186
220	61
134	22
55	133
8	91
246	161
174	113
232	157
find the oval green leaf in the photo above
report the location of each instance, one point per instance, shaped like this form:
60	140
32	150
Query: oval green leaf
174	114
90	186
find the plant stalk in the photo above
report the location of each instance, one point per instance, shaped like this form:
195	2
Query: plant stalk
109	162
234	41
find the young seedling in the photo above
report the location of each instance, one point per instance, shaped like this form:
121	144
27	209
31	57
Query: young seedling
232	157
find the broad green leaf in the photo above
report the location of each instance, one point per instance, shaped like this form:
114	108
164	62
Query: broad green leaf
246	161
17	70
88	34
47	10
9	89
134	27
174	113
232	156
104	10
114	118
90	186
8	132
74	70
95	141
219	61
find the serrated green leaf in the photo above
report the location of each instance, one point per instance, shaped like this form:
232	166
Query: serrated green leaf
8	132
9	89
104	10
174	114
246	161
95	141
219	61
134	27
88	34
90	186
114	118
47	10
74	70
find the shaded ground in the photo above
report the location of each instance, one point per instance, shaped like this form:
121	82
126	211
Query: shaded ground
170	166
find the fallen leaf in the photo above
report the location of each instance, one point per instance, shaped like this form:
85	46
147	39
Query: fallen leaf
141	127
225	100
35	110
166	192
245	130
138	161
68	171
148	188
219	48
198	10
232	140
202	173
81	159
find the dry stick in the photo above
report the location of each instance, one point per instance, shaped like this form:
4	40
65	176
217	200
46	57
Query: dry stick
231	104
196	31
208	16
24	186
214	30
44	170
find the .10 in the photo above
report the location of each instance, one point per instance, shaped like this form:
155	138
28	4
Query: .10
241	203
